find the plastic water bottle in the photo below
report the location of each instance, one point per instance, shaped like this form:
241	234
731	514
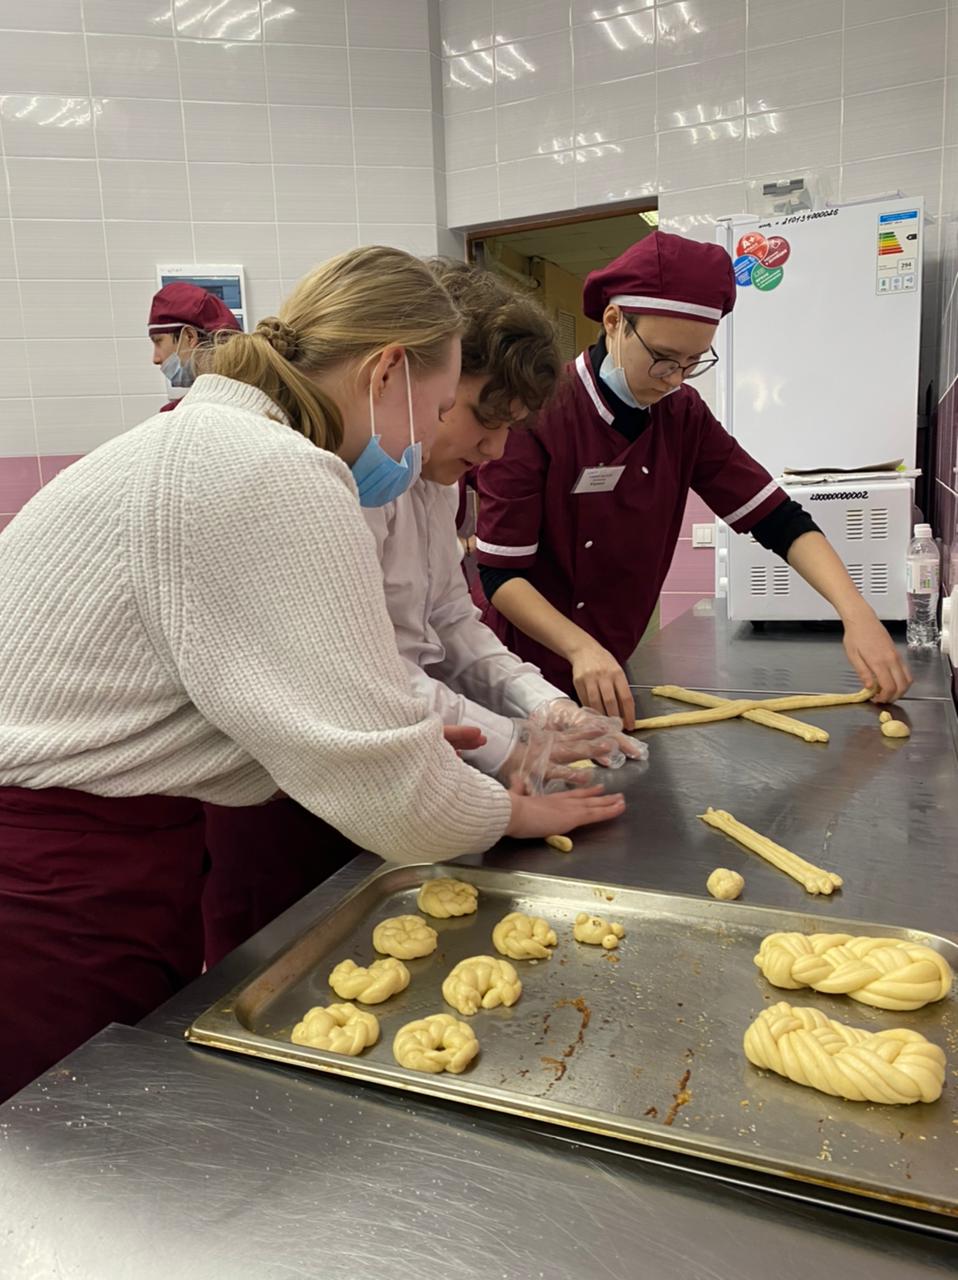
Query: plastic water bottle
922	576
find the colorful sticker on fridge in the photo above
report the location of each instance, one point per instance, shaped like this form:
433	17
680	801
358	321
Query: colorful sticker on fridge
778	253
753	244
766	278
743	268
898	251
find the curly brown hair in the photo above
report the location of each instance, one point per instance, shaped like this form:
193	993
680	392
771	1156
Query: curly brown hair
506	336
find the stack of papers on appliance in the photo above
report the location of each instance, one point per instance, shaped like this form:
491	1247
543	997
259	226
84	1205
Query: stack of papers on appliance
895	470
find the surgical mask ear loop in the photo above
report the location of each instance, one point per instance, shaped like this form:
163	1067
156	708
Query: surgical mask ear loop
412	433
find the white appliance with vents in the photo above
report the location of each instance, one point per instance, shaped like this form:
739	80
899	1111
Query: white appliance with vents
869	525
819	370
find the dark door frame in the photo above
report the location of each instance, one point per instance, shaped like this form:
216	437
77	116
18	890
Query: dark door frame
475	236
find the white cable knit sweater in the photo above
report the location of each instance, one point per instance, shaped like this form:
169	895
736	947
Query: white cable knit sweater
196	608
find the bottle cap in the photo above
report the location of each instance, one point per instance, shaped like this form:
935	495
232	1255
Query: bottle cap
922	530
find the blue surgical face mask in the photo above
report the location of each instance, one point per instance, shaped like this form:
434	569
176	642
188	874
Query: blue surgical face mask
380	478
176	372
612	373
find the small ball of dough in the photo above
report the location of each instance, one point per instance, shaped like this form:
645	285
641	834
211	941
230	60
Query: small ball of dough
340	1028
523	937
481	982
724	884
895	729
596	931
884	717
383	978
444	898
405	937
437	1043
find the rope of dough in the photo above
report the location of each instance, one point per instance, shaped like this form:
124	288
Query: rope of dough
340	1028
885	1066
738	706
437	1043
888	973
771	719
814	879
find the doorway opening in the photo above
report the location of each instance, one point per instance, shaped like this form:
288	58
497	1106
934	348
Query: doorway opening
551	257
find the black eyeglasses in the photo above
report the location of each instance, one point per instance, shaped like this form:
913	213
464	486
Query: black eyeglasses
665	366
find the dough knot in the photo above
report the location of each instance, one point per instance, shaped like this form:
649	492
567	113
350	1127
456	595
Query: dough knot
596	931
383	978
803	1045
444	898
437	1043
889	973
405	937
523	937
481	982
340	1028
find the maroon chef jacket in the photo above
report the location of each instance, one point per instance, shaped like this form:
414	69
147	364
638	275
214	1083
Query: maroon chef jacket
601	558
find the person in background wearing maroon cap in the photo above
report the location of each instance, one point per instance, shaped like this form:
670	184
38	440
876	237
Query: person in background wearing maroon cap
182	318
579	519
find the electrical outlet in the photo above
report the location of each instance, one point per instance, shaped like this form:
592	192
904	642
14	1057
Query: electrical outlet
703	535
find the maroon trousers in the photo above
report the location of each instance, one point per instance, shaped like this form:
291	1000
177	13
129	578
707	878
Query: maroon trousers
100	917
263	859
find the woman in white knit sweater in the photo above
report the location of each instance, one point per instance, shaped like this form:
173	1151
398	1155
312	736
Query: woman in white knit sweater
195	612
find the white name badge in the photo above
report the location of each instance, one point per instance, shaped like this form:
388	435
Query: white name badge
598	479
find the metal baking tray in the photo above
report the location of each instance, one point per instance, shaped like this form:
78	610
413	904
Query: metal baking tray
643	1043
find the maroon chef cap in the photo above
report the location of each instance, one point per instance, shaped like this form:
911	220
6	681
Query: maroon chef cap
180	303
665	275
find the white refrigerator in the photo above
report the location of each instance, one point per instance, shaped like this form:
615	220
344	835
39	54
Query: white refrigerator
819	371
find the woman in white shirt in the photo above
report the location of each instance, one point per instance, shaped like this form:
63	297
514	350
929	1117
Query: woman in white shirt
194	612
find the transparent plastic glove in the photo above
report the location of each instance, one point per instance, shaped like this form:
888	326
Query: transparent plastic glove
531	767
588	734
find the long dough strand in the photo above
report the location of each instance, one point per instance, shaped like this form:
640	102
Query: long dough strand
813	879
738	707
770	719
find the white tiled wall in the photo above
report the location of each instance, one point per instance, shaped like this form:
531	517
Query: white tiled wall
268	132
558	104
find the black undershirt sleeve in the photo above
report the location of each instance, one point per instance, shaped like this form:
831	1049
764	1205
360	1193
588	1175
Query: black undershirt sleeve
492	579
782	527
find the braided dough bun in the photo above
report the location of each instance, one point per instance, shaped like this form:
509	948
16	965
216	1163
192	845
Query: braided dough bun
444	898
888	973
725	884
481	982
437	1043
383	978
523	937
596	931
405	937
885	1066
340	1028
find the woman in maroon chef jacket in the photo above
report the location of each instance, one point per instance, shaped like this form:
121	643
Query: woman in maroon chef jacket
579	519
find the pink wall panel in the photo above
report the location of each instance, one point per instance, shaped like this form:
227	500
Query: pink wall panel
693	569
19	481
55	463
672	605
696	512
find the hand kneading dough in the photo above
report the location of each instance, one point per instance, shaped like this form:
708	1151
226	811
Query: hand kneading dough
444	898
340	1028
383	978
438	1043
523	937
725	884
888	973
596	931
895	729
481	982
885	1066
405	937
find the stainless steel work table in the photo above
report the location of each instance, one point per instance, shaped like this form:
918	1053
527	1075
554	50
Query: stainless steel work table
142	1156
704	650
